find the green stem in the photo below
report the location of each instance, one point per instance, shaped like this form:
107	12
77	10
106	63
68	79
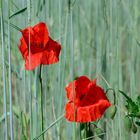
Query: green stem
80	132
10	77
85	128
3	72
81	129
42	113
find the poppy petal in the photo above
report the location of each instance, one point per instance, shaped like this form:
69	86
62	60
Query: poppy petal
43	50
83	114
23	48
81	85
91	106
94	94
97	110
25	33
41	30
93	112
34	61
94	81
51	54
69	90
69	109
38	36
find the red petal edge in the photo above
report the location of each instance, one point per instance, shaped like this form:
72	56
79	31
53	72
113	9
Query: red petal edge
51	54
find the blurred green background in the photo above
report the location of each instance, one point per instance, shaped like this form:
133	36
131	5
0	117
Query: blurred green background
99	38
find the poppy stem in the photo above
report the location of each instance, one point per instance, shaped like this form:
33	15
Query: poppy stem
42	113
84	129
80	132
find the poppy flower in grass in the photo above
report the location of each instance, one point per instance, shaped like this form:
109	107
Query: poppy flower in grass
86	101
37	47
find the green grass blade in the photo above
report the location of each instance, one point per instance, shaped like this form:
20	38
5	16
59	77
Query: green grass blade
4	75
18	12
54	123
10	78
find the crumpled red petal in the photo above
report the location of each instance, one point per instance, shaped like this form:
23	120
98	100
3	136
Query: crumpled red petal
78	86
23	48
33	62
51	53
69	90
81	85
90	101
49	56
42	32
94	94
87	113
38	34
70	112
43	49
93	112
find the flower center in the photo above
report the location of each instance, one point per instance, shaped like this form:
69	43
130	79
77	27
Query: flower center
41	45
81	97
36	47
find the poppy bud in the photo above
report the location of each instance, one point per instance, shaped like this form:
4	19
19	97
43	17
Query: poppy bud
99	132
112	111
127	123
134	128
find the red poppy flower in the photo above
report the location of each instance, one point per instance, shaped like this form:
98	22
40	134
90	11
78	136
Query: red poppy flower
87	101
36	43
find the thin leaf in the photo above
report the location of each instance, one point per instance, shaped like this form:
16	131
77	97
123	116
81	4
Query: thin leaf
127	97
14	26
61	117
18	12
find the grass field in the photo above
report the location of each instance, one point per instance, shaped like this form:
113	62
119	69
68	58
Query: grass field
99	39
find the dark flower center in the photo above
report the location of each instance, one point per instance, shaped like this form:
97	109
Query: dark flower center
41	45
36	47
81	97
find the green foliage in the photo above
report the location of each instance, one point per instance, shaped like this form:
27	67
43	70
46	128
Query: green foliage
132	107
133	110
82	126
99	132
90	130
86	131
138	104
